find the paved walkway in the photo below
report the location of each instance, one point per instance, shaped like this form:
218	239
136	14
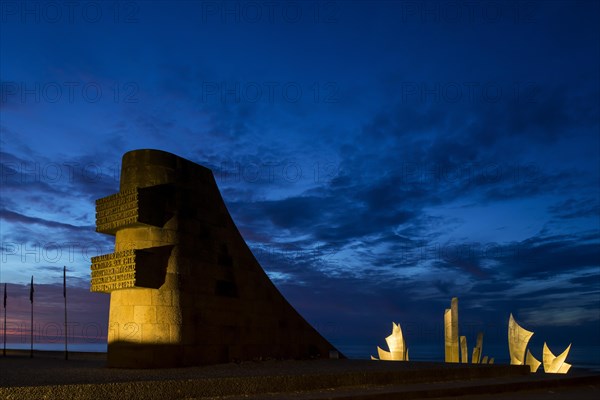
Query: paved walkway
85	376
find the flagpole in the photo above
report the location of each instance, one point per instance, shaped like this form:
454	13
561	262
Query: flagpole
4	348
31	299
4	335
65	296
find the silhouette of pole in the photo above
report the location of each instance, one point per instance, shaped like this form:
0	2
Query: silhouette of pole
31	300
4	335
65	296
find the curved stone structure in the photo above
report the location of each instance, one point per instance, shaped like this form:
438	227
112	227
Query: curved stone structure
185	288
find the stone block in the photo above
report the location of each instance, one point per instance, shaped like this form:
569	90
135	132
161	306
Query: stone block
156	333
144	314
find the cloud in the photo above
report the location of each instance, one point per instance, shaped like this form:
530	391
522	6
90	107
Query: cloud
11	216
576	208
403	201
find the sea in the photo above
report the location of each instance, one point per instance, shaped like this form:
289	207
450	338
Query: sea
581	357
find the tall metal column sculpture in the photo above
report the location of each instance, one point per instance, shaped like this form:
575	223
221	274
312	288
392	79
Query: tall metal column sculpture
451	332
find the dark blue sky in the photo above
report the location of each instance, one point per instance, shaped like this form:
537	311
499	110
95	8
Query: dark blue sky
378	158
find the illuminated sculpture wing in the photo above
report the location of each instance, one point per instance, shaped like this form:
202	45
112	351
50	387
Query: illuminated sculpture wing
476	358
517	341
384	355
555	364
564	368
395	342
559	361
533	363
476	355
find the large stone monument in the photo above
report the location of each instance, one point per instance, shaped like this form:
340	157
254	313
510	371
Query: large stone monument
184	287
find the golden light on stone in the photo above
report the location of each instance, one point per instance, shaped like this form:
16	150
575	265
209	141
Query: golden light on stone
134	268
396	344
555	364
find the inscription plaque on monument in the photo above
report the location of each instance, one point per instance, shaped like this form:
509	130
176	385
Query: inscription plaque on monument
131	207
113	271
119	270
184	287
117	211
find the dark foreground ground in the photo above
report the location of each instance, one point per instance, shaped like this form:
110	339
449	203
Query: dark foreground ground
85	376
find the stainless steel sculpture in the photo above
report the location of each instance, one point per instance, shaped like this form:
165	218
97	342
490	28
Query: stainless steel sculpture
555	364
533	363
464	351
455	346
451	332
518	338
478	349
396	344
